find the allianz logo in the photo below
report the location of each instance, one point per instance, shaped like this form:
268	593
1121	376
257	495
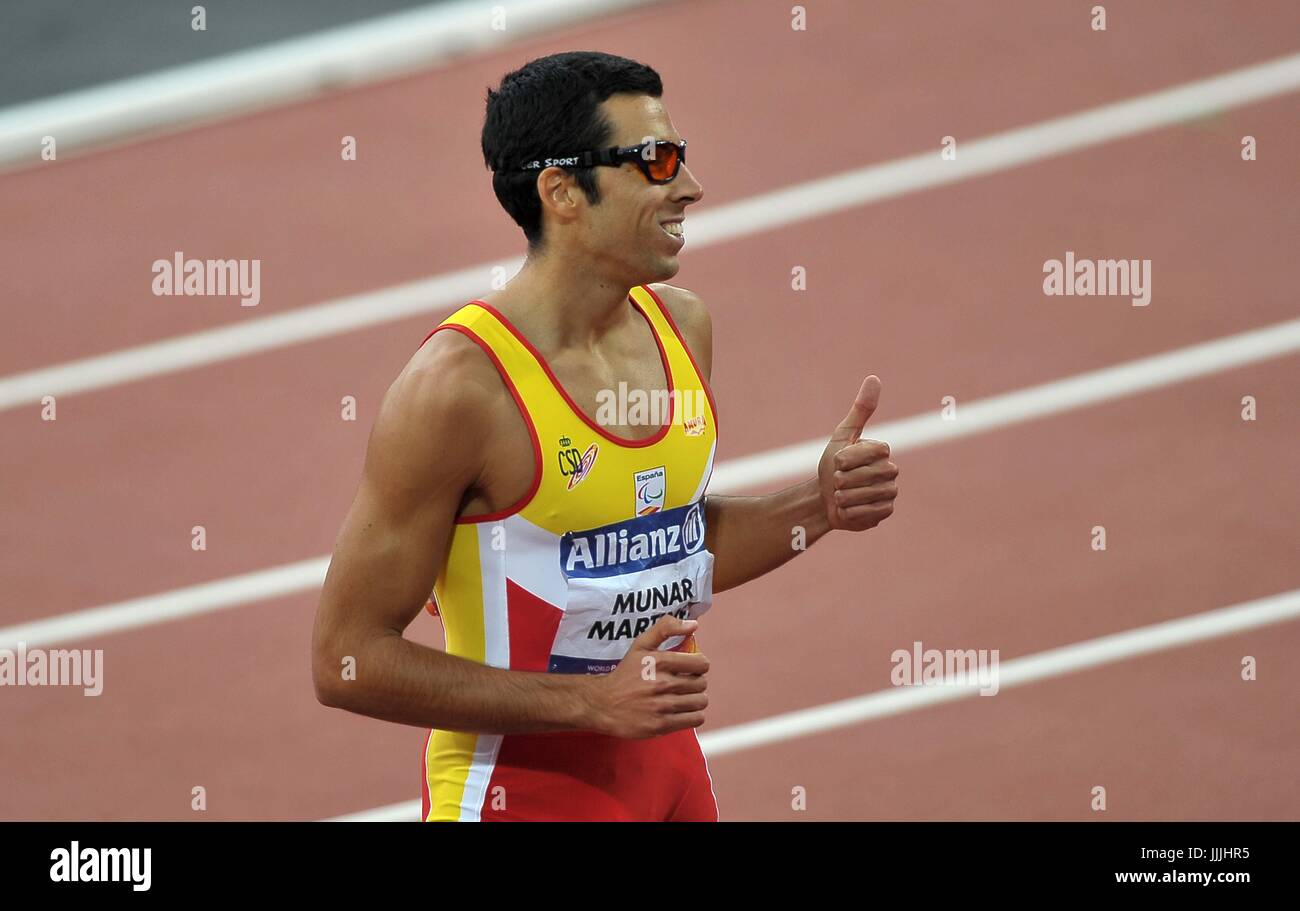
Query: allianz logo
614	545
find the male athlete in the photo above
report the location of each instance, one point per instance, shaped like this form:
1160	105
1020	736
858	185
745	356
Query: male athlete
569	546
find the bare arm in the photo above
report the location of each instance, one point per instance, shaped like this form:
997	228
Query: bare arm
750	536
854	488
425	451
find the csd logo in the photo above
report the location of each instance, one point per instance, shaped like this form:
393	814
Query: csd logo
570	461
575	465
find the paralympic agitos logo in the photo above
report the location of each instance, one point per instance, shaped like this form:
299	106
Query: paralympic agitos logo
575	465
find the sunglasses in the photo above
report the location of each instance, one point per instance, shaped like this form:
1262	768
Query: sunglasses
659	161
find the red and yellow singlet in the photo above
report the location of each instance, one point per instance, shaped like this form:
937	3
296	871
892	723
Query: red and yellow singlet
609	538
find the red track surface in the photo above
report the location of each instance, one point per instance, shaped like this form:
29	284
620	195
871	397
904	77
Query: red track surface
939	293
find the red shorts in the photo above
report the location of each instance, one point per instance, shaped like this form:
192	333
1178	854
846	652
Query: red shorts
575	776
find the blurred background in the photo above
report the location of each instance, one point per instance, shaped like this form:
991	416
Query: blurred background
1102	493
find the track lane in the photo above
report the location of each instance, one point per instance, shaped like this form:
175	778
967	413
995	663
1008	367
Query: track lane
1172	736
282	759
990	546
253	450
1006	564
272	186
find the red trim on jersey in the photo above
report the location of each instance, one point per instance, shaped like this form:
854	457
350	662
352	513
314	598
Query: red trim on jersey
663	358
528	419
425	800
687	348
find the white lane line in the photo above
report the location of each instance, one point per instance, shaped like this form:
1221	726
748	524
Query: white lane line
1002	151
406	811
289	70
1055	397
204	598
1069	659
264	333
731	476
764	212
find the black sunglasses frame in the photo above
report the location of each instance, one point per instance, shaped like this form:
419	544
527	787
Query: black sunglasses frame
616	156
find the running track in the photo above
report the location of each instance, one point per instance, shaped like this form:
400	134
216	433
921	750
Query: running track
938	292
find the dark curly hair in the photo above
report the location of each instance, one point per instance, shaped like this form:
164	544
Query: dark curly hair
549	106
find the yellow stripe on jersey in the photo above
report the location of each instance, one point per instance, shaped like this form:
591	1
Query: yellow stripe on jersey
450	754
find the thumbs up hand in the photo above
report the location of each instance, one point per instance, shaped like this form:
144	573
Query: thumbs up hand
857	480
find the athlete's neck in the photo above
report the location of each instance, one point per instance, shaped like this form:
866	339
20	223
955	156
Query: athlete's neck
565	304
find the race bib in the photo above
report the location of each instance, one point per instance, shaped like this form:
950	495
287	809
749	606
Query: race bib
621	578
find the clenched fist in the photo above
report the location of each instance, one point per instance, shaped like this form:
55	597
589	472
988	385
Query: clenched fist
652	692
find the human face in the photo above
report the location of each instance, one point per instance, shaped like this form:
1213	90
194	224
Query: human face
626	230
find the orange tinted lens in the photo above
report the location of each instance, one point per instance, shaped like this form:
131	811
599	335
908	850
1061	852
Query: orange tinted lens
663	166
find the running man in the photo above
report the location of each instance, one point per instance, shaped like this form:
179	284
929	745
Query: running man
565	536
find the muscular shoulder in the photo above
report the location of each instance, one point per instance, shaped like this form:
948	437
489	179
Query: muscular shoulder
692	318
439	410
452	365
449	375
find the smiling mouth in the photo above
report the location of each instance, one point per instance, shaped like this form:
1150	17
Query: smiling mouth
674	229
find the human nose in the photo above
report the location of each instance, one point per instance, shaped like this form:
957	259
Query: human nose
689	189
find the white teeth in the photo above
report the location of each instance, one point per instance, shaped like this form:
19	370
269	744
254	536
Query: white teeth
674	229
